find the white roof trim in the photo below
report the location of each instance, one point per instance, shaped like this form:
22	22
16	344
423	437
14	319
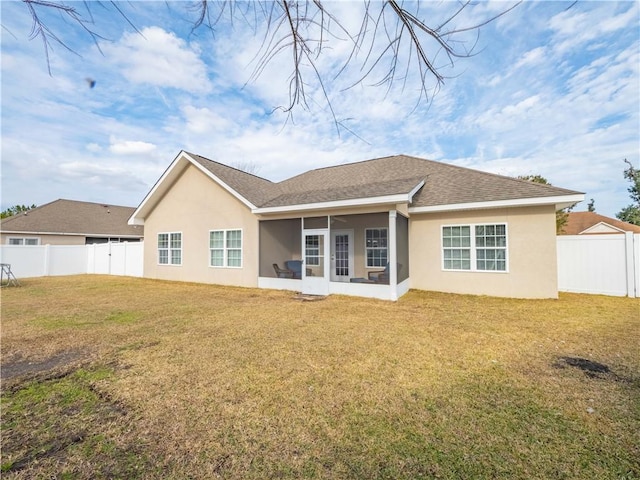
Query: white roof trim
72	234
559	201
354	202
415	190
171	173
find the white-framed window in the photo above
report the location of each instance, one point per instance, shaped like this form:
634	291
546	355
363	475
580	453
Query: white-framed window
23	241
474	248
376	247
170	248
312	250
225	248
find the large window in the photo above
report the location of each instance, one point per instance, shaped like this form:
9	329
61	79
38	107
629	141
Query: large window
475	247
225	248
170	248
23	241
376	246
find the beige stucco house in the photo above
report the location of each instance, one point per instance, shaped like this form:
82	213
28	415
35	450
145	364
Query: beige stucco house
70	222
374	228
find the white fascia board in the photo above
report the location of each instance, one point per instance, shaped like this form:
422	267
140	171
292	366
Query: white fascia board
559	202
170	174
355	202
69	234
157	190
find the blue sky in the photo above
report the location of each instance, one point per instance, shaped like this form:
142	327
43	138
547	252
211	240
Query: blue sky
551	90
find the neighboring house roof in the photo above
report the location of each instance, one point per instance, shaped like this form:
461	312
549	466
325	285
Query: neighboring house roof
424	184
71	217
593	223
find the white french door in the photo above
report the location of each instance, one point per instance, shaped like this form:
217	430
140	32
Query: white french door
341	255
315	267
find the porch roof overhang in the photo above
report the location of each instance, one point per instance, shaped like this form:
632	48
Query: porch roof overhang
559	202
347	203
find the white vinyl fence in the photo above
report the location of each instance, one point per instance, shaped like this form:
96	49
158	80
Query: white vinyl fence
600	264
44	260
603	264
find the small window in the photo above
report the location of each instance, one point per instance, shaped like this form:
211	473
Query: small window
312	250
376	246
170	248
225	248
23	241
475	247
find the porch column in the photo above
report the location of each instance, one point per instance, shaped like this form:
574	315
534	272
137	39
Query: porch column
393	256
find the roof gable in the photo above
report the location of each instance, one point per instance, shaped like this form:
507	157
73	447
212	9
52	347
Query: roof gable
594	223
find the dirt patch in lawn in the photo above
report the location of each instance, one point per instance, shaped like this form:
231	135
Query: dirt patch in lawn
17	367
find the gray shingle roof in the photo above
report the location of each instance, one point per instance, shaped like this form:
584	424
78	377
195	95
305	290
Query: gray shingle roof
70	216
255	189
399	174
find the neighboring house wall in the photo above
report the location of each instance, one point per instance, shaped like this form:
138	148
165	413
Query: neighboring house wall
194	206
46	239
531	246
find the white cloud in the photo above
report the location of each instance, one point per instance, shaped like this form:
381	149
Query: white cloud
160	58
574	28
532	57
130	147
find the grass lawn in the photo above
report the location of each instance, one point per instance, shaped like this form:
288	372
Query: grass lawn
114	377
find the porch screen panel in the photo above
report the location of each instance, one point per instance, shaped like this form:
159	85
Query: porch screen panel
280	240
402	246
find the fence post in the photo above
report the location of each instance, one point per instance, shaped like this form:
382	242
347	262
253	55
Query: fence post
47	259
630	268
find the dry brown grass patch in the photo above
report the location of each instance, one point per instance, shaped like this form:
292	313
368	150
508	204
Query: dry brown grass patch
242	383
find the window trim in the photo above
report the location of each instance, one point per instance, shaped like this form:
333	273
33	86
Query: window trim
24	241
225	249
366	257
474	248
169	249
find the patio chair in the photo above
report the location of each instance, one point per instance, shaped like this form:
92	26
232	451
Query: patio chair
382	276
296	267
282	272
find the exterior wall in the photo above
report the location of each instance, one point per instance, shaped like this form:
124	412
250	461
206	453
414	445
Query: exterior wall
194	205
531	250
46	239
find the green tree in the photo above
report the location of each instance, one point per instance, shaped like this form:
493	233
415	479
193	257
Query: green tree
16	209
562	216
631	213
591	206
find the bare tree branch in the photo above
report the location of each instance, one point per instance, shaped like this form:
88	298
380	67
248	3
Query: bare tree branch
392	43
